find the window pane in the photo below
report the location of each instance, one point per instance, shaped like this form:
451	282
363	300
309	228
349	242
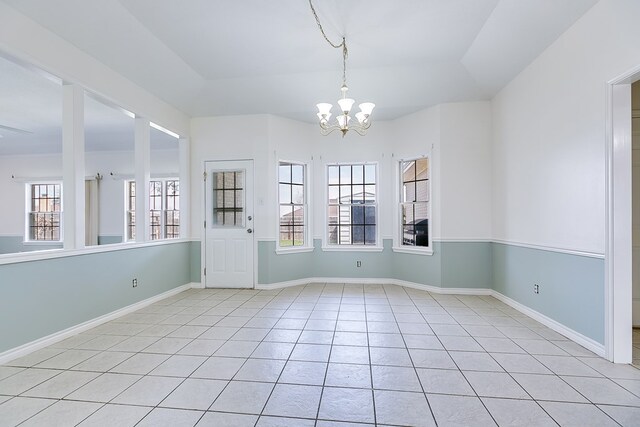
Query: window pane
229	198
229	179
422	191
410	192
421	211
370	235
333	172
345	215
286	235
298	215
370	215
358	174
297	174
239	201
421	168
333	234
297	194
345	194
358	214
422	233
218	179
370	174
286	215
284	174
333	215
358	195
407	214
334	193
370	193
345	174
358	234
285	193
344	237
408	236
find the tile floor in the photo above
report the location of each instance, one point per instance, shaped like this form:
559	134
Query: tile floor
319	355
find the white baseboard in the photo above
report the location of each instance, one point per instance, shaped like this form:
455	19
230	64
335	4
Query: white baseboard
376	281
577	337
32	346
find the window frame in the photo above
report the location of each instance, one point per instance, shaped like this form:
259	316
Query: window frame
398	245
308	239
163	210
377	246
27	213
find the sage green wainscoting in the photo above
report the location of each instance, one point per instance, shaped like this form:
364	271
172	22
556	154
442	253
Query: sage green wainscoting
571	286
15	244
453	264
39	298
109	240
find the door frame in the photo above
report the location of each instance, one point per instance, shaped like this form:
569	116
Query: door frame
203	240
618	232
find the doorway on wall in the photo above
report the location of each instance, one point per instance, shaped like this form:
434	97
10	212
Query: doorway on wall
229	242
622	258
635	215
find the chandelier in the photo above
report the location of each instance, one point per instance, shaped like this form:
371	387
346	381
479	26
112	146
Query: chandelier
343	119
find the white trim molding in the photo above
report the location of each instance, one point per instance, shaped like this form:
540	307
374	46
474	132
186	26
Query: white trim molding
550	248
40	343
577	337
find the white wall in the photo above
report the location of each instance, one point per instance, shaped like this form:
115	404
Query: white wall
549	133
26	40
12	214
112	190
456	136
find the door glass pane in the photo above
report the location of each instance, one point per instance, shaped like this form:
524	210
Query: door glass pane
228	199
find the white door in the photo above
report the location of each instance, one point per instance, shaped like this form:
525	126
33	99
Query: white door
229	224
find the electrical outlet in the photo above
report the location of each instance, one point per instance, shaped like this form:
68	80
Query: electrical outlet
536	288
134	282
358	263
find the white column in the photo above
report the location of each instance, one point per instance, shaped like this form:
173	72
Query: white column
73	172
185	188
143	167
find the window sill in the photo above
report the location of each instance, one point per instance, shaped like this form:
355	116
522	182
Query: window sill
294	250
413	250
352	248
42	242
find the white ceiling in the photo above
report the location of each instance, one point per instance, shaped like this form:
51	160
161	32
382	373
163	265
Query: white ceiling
220	57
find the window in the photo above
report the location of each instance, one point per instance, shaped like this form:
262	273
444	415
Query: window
44	212
414	202
352	200
292	204
228	199
164	209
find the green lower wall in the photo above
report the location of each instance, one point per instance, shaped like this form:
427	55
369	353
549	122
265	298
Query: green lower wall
43	297
15	244
38	298
452	265
571	286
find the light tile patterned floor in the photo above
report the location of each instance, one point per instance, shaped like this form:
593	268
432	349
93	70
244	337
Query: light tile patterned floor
319	355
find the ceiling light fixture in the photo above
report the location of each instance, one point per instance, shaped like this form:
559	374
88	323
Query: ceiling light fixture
344	103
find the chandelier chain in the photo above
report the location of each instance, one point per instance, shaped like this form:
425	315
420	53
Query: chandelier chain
343	45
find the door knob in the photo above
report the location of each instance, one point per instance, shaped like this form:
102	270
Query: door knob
250	218
249	230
